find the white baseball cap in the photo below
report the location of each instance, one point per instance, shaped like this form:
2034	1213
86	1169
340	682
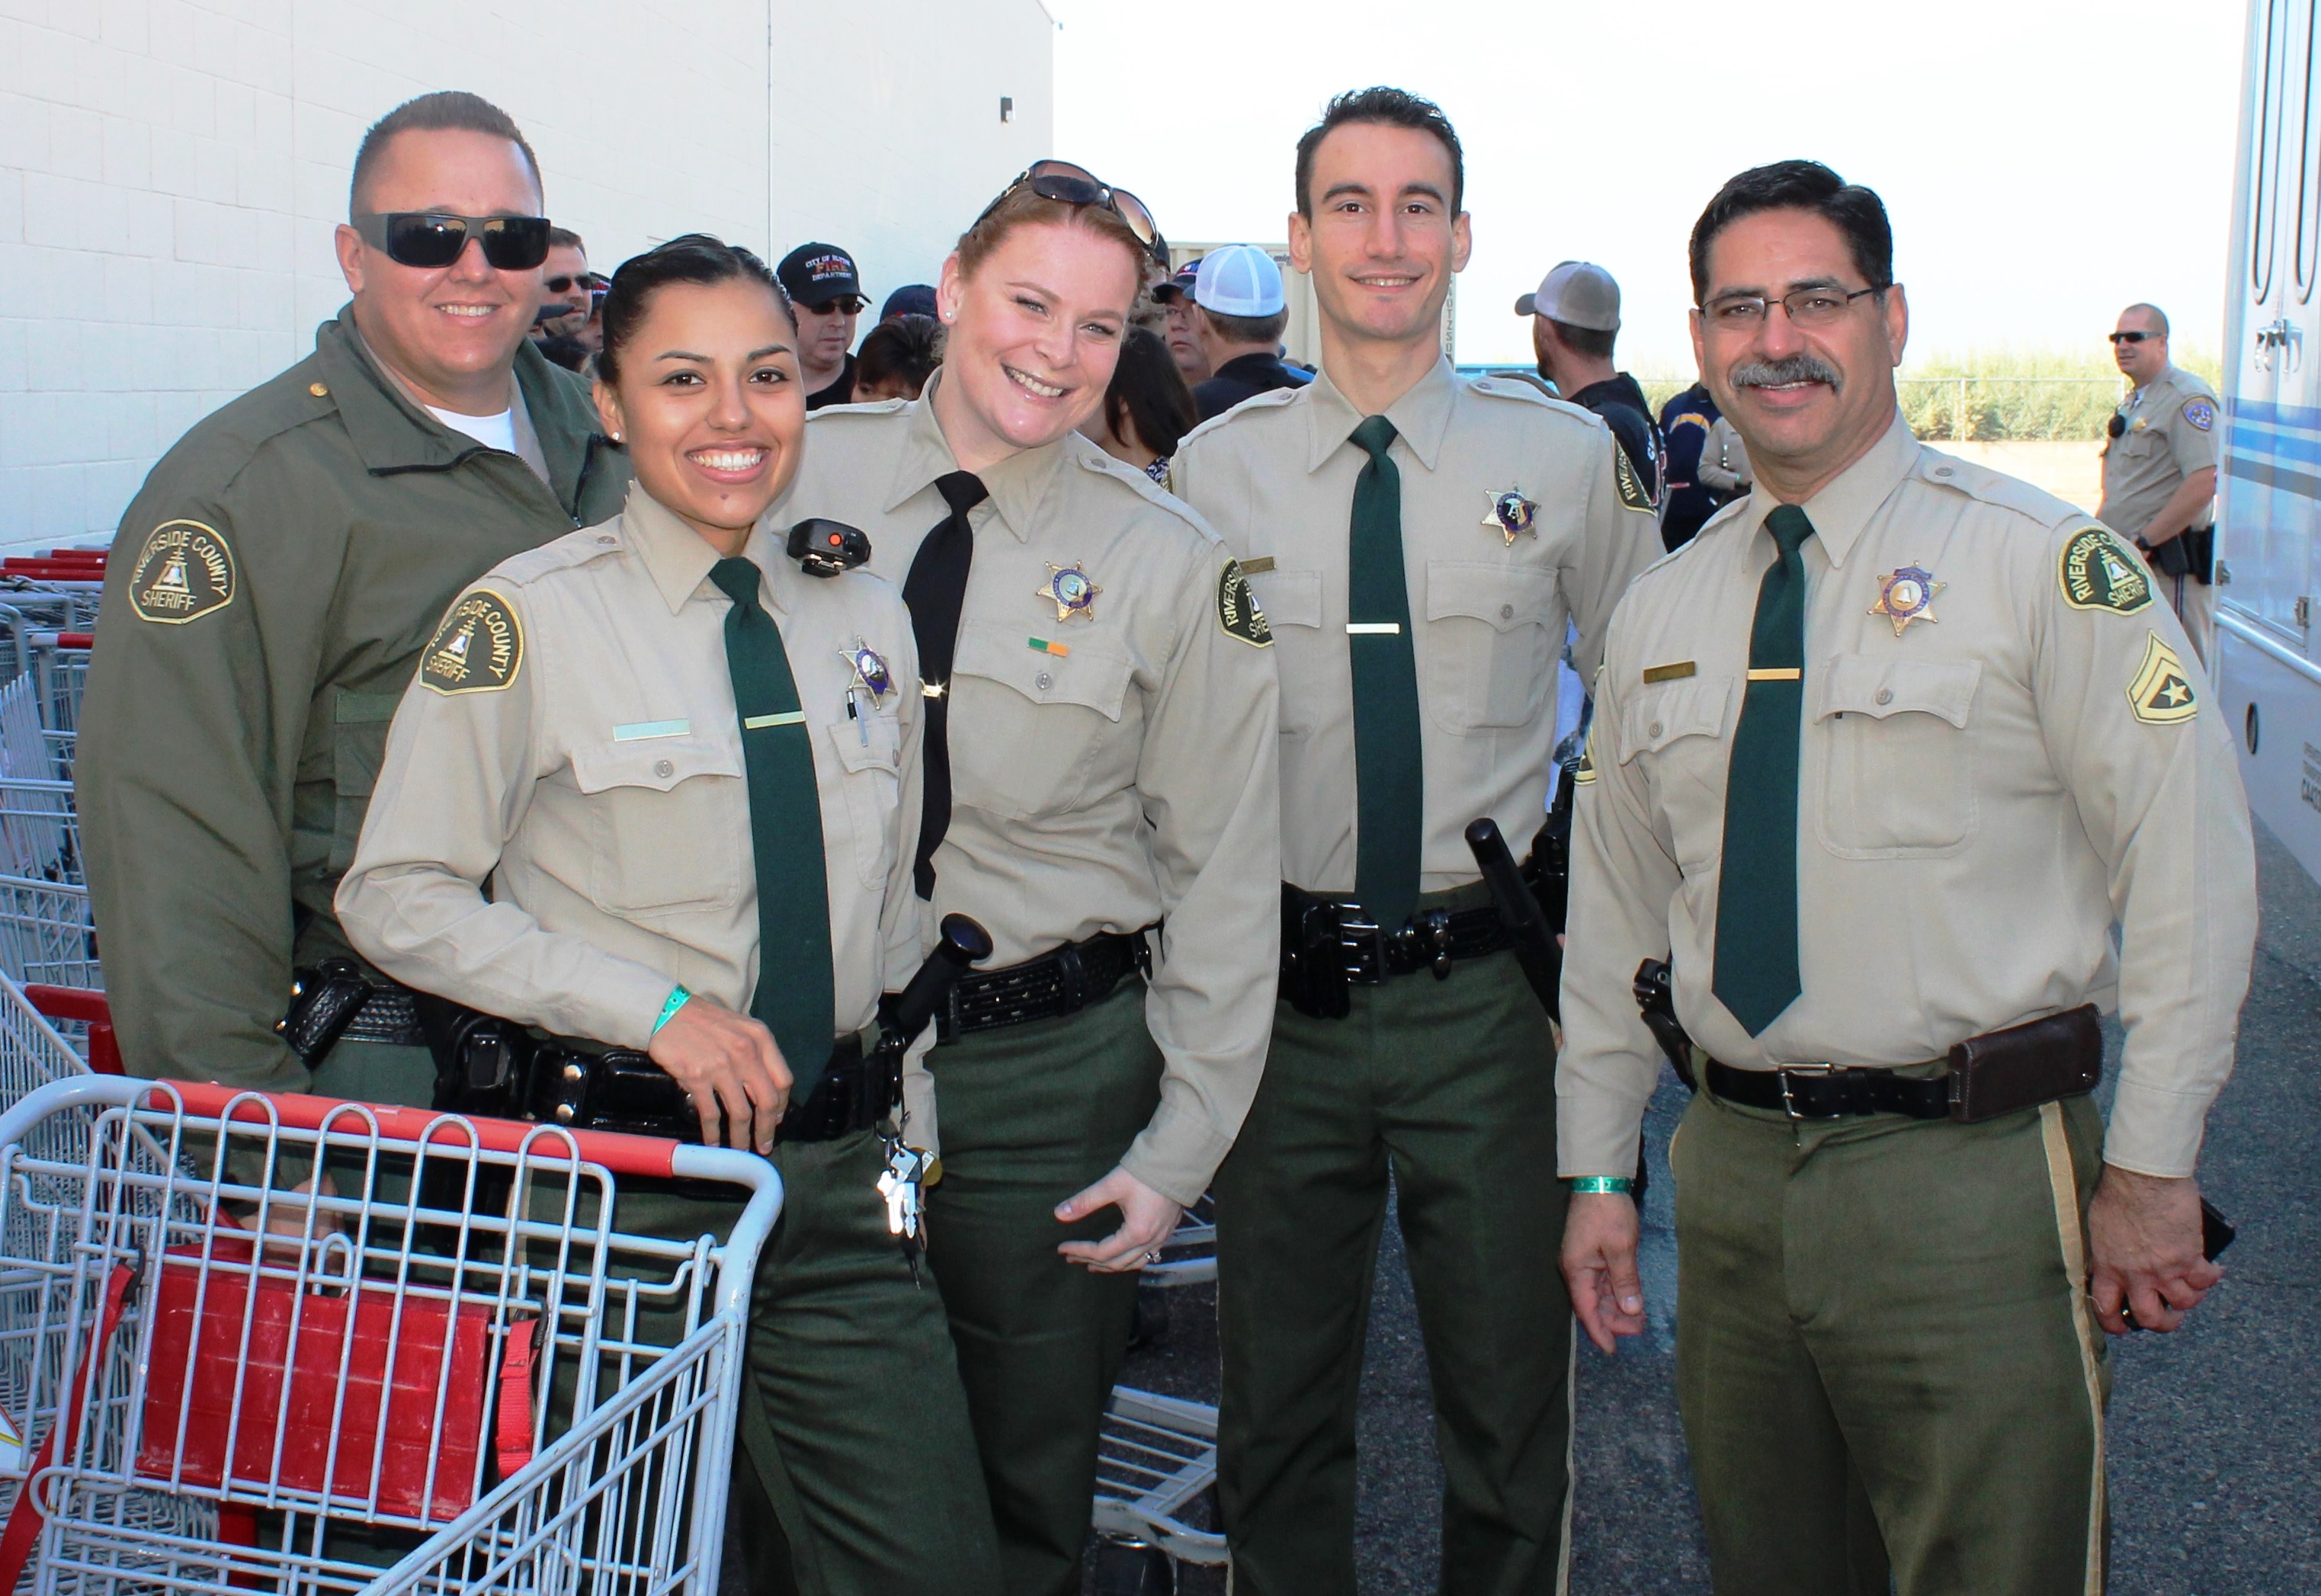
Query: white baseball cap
1579	293
1239	280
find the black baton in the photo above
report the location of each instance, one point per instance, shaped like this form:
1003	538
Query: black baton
910	1011
1519	912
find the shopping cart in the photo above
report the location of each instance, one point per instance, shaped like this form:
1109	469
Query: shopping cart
47	932
220	1377
1156	1472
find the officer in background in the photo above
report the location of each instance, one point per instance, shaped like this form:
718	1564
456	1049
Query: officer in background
1724	469
1176	327
2159	470
1416	541
1885	756
1575	320
281	572
1685	501
826	290
1239	313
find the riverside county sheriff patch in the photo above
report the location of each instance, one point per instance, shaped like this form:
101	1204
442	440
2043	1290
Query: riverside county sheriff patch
184	571
2161	694
1237	611
477	649
2097	571
1633	491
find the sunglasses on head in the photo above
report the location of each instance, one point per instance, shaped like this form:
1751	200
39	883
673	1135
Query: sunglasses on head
2119	338
1066	184
438	238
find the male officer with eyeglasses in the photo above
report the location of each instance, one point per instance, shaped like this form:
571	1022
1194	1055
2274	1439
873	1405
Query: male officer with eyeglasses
2159	470
274	584
1888	755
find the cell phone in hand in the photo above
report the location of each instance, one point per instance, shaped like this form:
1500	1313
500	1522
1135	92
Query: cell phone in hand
2217	1234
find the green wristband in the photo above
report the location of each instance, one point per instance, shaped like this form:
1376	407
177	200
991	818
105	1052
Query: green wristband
1620	1185
677	999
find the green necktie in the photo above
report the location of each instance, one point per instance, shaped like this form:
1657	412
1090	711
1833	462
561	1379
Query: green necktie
1389	783
794	999
1757	890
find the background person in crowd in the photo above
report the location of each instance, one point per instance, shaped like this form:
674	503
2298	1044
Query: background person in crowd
1238	311
897	359
283	568
1575	320
1101	793
566	283
1724	466
1887	1310
1407	711
737	924
825	292
1178	328
912	299
1147	409
2159	470
1685	501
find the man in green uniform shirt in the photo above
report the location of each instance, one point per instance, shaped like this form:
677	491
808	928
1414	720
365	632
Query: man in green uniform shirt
271	591
1906	763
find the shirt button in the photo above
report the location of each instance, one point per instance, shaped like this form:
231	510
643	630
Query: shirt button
607	538
1653	730
664	768
1885	694
1507	612
1045	682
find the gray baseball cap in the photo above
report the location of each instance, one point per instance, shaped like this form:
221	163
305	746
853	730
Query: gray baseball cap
1579	293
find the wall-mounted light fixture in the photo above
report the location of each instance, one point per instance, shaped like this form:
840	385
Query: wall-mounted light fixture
1006	107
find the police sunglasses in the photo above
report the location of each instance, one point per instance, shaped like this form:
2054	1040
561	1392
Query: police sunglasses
1066	184
2130	337
437	238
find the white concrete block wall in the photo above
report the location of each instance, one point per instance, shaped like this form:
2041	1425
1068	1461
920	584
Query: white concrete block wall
170	171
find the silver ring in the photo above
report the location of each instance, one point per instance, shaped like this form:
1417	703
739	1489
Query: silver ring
1153	1256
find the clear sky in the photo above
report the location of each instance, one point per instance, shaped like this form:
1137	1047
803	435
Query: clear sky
2045	162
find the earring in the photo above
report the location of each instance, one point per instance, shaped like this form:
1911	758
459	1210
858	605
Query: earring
617	437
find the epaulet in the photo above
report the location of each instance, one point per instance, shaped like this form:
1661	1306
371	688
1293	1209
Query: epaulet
1988	486
1514	388
1255	405
568	552
868	408
225	441
1094	459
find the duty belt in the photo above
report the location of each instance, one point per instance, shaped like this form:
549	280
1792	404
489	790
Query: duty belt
1832	1093
1330	944
337	1002
1061	982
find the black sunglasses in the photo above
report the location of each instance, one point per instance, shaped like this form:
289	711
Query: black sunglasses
2130	337
437	238
1070	184
563	285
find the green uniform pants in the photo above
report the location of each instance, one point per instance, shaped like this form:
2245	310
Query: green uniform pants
1450	1086
1884	1353
1033	1114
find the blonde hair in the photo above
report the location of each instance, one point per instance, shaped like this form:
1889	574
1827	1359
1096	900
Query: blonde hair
1022	207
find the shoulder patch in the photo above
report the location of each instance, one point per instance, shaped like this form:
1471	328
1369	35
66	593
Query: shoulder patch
478	648
2162	693
184	572
2200	412
1237	612
1633	491
2097	571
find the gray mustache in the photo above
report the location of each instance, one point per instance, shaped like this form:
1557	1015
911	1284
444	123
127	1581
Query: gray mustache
1797	368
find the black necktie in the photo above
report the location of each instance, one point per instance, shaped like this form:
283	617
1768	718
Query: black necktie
1389	782
795	997
1757	974
935	589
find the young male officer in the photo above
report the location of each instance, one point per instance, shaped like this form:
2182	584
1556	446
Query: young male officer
1417	543
279	576
1885	755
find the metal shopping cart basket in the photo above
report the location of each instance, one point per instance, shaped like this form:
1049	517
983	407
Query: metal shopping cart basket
446	1348
47	934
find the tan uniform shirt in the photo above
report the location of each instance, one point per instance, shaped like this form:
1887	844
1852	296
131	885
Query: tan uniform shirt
590	766
1981	799
1724	460
1277	475
2171	424
1127	779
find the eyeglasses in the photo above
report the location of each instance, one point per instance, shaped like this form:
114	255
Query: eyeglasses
563	285
1807	307
438	238
1066	184
2119	338
845	305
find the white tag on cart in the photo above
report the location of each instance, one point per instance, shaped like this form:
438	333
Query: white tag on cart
12	1447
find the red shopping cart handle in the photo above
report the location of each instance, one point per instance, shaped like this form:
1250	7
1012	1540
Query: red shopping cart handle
90	1008
75	640
621	1153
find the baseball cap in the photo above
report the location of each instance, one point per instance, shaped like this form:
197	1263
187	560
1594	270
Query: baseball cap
1179	286
812	275
912	299
1579	293
1239	280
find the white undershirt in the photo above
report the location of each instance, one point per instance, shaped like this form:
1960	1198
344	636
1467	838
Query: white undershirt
493	432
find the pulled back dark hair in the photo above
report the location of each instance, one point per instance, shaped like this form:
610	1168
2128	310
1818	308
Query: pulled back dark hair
1389	107
689	257
1800	186
1149	393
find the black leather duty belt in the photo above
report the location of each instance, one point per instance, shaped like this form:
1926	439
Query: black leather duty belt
1053	984
1331	944
389	1017
1833	1094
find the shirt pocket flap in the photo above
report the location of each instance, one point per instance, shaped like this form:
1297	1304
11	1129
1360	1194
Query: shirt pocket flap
660	764
1504	596
873	743
1290	597
1694	707
1086	676
1851	684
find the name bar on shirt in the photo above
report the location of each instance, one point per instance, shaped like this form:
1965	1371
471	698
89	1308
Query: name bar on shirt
1374	628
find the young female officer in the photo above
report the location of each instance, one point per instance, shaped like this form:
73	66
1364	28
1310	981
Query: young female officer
690	772
1101	772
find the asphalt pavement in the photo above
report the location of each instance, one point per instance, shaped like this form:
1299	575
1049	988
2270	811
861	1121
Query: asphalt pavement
2214	1433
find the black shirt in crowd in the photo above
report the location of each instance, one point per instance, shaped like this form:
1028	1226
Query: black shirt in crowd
840	390
1243	377
1687	506
1621	403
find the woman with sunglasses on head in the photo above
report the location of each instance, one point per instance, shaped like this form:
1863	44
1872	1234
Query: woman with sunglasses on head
689	767
1100	783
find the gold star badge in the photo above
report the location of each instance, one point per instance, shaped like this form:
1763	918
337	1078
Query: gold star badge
1511	513
1907	594
1071	590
